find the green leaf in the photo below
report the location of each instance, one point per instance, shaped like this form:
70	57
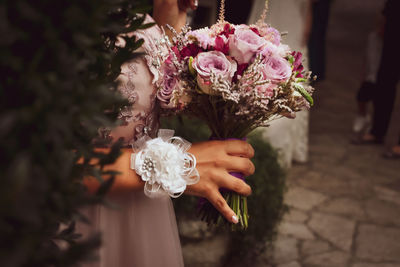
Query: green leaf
291	59
299	88
191	69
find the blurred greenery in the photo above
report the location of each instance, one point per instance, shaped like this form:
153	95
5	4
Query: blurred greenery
265	205
58	64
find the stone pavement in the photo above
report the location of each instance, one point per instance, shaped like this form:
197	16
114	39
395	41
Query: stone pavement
345	202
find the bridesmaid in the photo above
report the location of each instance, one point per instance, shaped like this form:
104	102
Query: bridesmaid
142	231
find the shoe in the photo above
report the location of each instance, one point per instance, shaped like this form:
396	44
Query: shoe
366	140
392	153
361	123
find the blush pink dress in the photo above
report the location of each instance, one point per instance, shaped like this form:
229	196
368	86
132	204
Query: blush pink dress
140	232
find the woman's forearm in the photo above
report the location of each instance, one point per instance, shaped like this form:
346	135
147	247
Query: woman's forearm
126	181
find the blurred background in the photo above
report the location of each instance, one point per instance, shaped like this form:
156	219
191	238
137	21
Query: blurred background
342	195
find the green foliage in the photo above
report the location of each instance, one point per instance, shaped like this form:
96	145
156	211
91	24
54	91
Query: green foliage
58	63
265	205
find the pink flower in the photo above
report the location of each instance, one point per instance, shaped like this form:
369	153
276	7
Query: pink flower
201	37
297	64
244	44
169	84
266	91
277	69
212	62
228	30
272	35
221	44
269	49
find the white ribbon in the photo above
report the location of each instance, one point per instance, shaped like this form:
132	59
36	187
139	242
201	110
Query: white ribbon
164	164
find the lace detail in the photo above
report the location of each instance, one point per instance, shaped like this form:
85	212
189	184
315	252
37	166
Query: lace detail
150	46
136	84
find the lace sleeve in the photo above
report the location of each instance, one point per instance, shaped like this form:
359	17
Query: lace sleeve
137	81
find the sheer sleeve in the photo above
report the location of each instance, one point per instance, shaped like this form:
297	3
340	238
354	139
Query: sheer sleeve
142	231
137	80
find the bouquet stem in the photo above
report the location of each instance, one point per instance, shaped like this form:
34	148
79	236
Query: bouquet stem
235	201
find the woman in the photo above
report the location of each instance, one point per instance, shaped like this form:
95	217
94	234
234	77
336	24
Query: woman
142	231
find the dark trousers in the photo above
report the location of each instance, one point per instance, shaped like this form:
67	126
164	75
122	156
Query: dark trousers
388	76
316	43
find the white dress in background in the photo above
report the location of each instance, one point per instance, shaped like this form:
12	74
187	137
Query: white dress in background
288	136
141	232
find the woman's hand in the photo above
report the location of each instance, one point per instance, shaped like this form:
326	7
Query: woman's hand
172	12
185	4
215	159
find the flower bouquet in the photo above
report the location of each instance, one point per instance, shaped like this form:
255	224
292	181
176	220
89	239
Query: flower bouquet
234	77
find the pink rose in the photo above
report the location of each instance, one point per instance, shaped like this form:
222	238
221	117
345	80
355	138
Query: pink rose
169	84
244	44
268	33
277	69
269	49
273	35
214	62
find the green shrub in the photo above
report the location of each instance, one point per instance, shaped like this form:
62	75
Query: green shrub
58	63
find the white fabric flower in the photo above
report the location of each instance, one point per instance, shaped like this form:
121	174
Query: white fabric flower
164	163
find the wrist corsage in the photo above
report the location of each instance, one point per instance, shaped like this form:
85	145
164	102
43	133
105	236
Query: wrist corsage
164	164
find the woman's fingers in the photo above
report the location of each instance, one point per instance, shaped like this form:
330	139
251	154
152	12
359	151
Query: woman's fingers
218	201
194	4
239	148
232	183
237	164
185	4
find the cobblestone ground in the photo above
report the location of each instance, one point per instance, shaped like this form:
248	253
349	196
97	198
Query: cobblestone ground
345	202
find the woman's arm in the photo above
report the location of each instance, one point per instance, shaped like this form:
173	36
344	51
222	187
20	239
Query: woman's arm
215	159
172	12
126	181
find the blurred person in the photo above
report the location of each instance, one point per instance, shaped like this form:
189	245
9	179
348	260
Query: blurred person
388	76
292	17
368	86
317	41
392	143
143	231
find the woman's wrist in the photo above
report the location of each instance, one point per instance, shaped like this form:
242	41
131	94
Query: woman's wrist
164	164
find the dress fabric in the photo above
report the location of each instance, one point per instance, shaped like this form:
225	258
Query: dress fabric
138	231
288	136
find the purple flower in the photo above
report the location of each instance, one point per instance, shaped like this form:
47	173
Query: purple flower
212	62
169	84
244	44
277	69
